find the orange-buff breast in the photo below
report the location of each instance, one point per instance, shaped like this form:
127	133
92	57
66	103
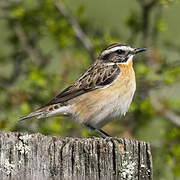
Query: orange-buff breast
100	106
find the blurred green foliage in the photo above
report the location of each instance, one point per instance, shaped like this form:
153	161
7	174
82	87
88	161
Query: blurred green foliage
40	55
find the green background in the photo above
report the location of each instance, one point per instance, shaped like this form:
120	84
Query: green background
40	55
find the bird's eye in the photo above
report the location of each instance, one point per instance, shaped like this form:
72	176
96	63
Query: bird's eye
120	51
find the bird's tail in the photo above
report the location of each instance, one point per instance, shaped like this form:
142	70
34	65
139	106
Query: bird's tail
37	114
47	111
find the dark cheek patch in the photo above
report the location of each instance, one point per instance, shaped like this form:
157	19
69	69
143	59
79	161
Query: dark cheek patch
125	59
106	56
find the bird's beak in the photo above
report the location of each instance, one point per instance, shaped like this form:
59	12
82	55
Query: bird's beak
138	50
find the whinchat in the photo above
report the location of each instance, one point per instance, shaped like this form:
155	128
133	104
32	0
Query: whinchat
103	92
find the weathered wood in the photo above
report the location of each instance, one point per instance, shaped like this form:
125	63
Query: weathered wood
38	157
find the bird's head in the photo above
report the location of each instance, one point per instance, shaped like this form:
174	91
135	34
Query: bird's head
119	53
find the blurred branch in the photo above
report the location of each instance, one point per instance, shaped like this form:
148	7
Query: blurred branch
4	15
166	113
155	29
17	71
25	45
76	27
146	10
173	47
147	5
20	56
9	3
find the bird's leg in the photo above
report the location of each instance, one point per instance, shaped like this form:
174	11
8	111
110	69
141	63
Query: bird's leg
99	131
102	133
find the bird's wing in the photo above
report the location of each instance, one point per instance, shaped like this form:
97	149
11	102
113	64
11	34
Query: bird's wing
97	76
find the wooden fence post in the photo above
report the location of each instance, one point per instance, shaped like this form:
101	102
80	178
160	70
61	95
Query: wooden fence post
38	157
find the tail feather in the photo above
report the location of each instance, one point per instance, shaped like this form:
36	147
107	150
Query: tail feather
51	110
36	114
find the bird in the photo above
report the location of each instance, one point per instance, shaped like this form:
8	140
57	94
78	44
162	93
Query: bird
102	93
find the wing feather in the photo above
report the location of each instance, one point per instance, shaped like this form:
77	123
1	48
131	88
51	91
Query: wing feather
97	76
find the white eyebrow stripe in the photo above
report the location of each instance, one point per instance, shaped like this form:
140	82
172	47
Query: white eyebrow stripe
124	48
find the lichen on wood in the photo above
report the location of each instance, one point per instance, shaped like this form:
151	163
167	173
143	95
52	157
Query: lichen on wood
35	156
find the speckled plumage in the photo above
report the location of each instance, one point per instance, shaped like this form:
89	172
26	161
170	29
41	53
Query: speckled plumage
98	107
102	93
99	75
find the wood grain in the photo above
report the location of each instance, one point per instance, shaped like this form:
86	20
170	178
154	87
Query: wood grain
39	157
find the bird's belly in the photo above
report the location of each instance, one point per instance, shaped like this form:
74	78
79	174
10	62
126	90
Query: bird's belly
111	108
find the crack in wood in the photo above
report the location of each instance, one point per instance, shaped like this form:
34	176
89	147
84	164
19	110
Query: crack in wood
74	158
